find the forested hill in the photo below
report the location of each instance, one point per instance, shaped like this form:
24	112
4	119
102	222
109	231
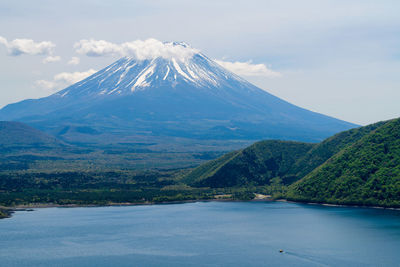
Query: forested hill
265	160
255	165
329	147
360	166
365	173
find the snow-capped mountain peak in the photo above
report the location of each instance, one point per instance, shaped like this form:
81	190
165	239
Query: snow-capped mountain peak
169	90
130	74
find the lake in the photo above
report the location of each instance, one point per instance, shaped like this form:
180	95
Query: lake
202	234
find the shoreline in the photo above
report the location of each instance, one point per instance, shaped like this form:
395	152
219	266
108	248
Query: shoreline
23	207
6	212
30	207
337	205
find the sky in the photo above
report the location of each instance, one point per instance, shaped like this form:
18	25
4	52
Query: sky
339	57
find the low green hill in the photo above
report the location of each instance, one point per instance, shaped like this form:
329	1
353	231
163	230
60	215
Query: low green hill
365	173
329	147
259	163
255	165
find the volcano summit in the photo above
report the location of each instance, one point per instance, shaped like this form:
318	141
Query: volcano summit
177	92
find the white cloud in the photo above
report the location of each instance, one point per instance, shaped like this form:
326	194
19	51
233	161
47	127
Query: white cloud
63	79
73	77
18	47
94	48
74	61
141	50
51	59
248	69
3	41
47	85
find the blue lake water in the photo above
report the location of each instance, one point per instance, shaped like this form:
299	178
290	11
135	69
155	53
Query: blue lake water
202	234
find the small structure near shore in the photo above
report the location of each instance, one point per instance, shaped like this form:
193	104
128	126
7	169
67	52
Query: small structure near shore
261	197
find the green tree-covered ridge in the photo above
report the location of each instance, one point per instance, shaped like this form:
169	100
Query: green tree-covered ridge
255	165
365	173
360	166
265	160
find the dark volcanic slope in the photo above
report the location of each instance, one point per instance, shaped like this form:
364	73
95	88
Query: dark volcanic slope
192	98
16	133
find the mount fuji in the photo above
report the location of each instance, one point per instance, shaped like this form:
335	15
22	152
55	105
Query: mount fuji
174	94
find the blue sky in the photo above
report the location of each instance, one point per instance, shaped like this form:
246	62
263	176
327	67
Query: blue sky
340	58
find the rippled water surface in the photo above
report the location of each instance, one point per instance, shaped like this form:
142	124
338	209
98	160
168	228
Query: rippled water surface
202	234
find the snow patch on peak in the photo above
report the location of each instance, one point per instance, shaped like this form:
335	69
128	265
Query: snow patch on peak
141	81
64	94
180	71
126	70
166	74
190	71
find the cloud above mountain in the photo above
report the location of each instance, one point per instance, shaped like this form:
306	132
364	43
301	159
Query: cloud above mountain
63	79
139	49
73	77
153	48
248	69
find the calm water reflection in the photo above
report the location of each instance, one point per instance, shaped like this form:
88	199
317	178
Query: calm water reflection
202	234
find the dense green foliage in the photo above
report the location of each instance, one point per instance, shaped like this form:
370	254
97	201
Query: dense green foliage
93	187
104	188
365	173
360	166
255	165
208	168
284	161
4	213
329	147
